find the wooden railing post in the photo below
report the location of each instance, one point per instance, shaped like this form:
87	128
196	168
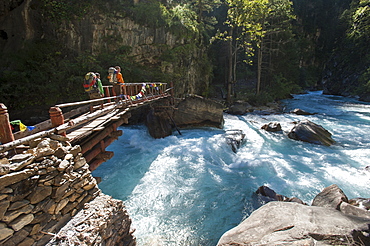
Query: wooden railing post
107	93
6	134
56	117
172	94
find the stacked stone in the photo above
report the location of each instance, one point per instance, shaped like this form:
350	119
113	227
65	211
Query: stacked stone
103	221
41	189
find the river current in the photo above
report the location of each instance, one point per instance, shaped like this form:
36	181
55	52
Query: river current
189	189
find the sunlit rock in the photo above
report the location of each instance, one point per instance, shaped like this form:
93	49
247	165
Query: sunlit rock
286	223
272	127
300	112
5	231
331	197
363	203
308	131
198	111
266	194
349	209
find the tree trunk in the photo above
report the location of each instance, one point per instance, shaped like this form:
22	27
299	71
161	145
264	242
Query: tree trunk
230	71
259	68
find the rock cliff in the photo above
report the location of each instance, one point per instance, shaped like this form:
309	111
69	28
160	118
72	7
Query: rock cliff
188	66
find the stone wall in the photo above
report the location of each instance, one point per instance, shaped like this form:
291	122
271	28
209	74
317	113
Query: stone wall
45	187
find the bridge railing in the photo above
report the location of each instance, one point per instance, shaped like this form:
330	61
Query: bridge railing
135	93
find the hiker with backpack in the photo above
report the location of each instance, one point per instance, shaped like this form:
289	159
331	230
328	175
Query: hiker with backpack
93	86
116	78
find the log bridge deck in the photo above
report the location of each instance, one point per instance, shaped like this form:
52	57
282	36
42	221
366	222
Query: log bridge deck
92	124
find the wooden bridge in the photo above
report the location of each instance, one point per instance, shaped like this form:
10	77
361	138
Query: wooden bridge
92	124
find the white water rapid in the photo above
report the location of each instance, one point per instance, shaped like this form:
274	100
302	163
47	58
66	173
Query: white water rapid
189	189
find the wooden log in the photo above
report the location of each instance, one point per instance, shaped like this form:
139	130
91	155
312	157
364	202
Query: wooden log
116	134
17	142
57	118
107	92
105	155
45	125
6	134
64	105
57	130
98	149
98	129
95	164
91	142
81	120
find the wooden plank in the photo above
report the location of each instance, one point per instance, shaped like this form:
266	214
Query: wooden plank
95	125
98	129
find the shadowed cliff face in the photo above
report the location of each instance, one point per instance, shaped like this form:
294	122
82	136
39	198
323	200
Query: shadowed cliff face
24	21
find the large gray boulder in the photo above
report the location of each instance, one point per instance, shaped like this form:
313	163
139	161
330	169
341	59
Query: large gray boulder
239	108
158	124
308	131
330	197
282	223
198	111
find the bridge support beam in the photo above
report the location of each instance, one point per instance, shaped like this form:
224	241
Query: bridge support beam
93	156
100	158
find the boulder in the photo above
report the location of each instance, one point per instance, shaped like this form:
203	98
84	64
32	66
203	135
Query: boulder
300	112
330	197
349	209
239	108
285	223
363	203
158	124
266	194
272	127
308	131
234	138
198	111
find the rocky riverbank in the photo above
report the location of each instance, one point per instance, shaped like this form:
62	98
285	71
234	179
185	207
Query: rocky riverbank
332	219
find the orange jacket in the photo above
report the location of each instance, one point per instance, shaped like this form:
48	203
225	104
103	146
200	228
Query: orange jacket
120	78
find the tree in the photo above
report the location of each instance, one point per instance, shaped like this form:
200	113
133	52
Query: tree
360	21
255	19
244	26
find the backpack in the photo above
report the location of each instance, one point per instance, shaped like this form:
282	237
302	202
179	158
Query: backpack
90	82
112	75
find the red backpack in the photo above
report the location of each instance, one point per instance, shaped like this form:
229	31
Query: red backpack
90	82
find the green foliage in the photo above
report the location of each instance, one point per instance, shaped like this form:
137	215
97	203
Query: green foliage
59	10
364	80
282	88
39	75
261	99
181	20
149	13
359	22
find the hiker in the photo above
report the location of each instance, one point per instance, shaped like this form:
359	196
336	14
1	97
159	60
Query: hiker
100	85
91	85
116	78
